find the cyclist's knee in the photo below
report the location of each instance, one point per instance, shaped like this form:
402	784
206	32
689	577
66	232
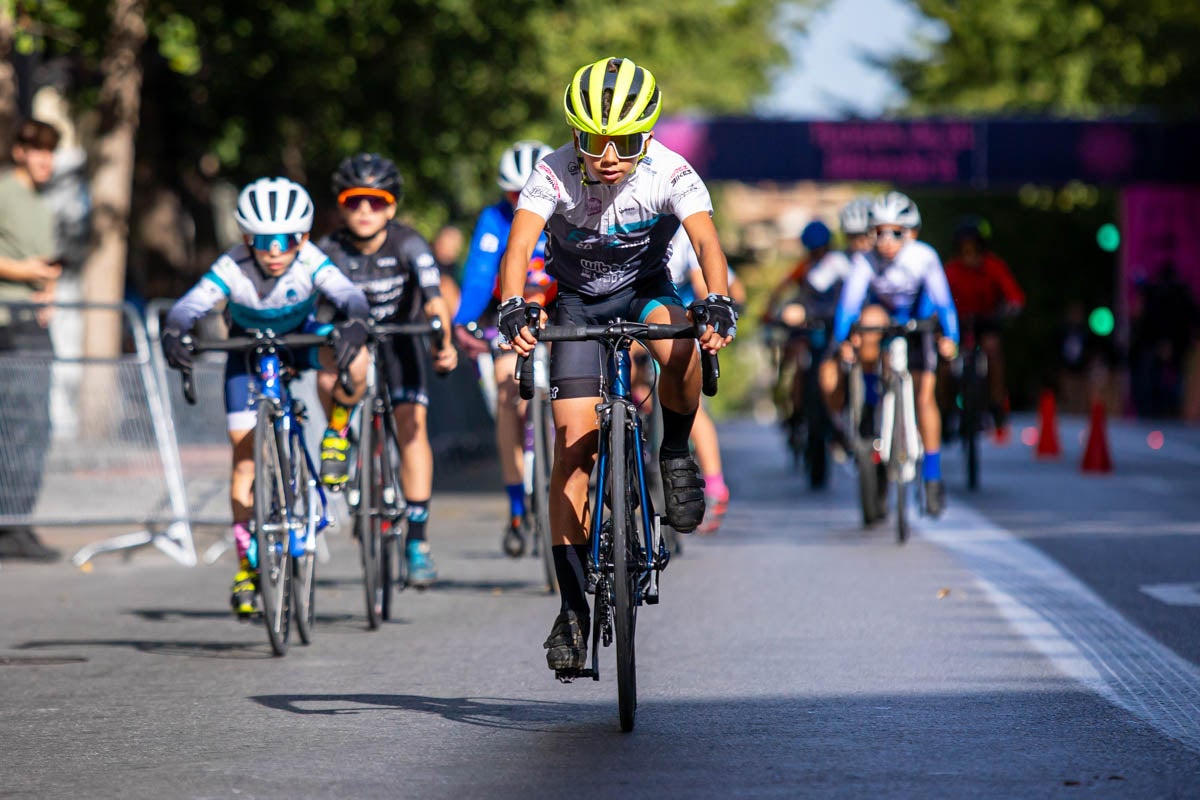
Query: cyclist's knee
410	422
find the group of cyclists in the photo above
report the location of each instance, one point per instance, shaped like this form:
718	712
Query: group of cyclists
886	274
611	225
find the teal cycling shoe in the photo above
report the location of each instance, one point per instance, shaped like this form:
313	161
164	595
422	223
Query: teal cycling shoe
419	564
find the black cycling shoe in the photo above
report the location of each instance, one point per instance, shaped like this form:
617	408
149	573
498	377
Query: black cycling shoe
684	491
566	647
935	498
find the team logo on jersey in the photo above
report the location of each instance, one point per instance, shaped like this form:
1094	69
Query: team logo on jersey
679	173
593	206
292	296
573	168
386	261
489	243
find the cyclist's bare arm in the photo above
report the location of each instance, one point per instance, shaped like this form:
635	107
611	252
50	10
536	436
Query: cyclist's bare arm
446	357
522	238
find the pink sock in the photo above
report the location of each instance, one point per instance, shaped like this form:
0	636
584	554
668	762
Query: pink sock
714	486
241	538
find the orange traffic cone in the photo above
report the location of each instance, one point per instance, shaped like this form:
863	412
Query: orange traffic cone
1096	457
1047	443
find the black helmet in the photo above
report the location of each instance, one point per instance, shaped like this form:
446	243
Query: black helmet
368	171
970	227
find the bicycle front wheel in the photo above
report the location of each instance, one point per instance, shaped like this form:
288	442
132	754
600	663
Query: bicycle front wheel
304	567
366	518
625	612
391	538
900	457
272	492
543	437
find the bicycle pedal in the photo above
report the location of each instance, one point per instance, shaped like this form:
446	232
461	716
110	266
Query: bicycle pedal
569	675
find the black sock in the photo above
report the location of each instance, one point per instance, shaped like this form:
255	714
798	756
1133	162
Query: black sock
570	565
417	514
677	429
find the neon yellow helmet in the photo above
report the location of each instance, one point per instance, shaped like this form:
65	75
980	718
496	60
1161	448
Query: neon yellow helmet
611	97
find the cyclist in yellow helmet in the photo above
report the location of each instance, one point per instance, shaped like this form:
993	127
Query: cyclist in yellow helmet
610	202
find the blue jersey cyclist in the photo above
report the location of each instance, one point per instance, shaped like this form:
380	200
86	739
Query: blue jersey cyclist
395	268
611	200
271	280
480	296
899	280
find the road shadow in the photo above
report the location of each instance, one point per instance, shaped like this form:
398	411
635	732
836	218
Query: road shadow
177	614
247	651
486	712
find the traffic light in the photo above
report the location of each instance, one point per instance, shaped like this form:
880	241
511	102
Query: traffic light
1108	237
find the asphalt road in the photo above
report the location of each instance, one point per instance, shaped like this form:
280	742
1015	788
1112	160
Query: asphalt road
1009	650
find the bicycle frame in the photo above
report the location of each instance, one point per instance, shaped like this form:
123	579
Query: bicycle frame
289	434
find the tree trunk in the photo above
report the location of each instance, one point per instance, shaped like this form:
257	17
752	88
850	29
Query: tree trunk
112	179
8	74
103	275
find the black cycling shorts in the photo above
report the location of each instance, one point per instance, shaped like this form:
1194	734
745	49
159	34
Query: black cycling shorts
575	367
406	362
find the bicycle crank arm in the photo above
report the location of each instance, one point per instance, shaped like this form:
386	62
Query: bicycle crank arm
568	675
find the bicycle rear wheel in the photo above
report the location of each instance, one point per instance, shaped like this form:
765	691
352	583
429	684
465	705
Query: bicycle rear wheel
624	610
366	519
304	567
970	421
543	436
271	503
391	536
900	457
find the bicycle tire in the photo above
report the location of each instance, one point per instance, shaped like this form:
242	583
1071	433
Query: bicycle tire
270	530
366	518
816	453
390	541
624	612
900	455
970	420
543	424
868	484
304	568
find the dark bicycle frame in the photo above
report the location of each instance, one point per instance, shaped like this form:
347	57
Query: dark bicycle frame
815	449
377	407
615	393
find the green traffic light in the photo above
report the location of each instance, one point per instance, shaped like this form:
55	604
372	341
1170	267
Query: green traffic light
1101	321
1108	237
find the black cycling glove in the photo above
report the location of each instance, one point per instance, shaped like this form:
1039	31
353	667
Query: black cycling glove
721	314
351	336
513	316
178	354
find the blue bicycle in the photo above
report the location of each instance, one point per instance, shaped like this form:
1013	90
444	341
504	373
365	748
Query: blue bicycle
289	504
627	549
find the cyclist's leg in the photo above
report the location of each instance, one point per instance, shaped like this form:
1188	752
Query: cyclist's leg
240	420
406	378
679	395
510	433
922	361
335	446
997	392
708	453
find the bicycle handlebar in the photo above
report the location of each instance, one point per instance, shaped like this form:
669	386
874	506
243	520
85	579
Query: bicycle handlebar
264	339
643	331
899	328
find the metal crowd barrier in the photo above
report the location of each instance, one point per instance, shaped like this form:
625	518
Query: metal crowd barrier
88	440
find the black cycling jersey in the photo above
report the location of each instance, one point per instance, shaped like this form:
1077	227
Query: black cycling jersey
398	279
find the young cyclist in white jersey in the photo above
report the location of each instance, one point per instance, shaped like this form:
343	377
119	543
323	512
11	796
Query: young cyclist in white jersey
480	295
610	201
270	280
902	279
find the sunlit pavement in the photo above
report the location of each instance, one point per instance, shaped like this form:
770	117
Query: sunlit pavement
1038	641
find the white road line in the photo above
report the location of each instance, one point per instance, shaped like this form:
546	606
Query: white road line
1081	634
1174	594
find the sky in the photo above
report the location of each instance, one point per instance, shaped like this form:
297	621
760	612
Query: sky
828	78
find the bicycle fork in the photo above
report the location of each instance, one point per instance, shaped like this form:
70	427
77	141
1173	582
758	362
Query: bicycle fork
902	391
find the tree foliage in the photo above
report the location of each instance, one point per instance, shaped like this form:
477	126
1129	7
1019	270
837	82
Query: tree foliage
240	89
1073	57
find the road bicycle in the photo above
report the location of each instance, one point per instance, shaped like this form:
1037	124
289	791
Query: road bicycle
886	440
808	427
374	493
290	507
627	552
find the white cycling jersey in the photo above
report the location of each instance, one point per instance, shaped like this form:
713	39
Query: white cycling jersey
831	270
911	286
256	301
604	238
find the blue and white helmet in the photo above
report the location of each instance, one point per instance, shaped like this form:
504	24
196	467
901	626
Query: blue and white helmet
855	217
274	205
517	163
895	208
